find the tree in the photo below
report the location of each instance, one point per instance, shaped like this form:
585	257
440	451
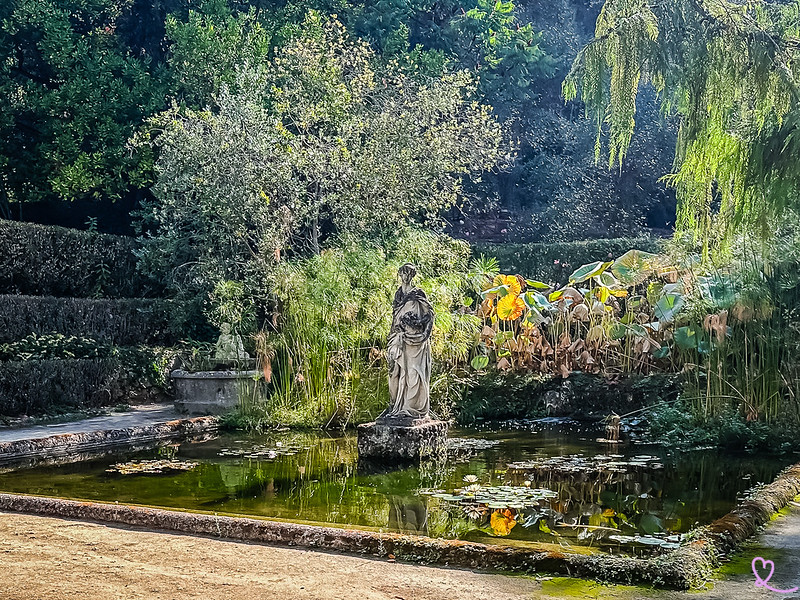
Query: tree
71	96
208	48
318	139
729	70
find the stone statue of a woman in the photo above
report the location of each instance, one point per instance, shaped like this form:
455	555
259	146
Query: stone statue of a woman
409	351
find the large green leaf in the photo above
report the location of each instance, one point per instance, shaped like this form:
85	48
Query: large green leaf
721	291
662	352
650	524
500	290
480	362
536	300
668	306
617	331
537	285
606	279
686	337
588	271
633	267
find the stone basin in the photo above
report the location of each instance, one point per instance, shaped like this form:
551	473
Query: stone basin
212	392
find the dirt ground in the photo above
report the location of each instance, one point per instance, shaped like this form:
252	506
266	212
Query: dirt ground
43	558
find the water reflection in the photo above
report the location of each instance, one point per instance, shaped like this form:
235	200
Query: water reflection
317	478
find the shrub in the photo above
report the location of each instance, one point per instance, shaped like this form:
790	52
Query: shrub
117	321
44	260
58	385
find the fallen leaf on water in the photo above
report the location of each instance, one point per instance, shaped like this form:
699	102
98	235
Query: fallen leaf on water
502	522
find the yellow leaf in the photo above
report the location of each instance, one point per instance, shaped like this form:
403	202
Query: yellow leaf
514	286
502	522
510	281
510	307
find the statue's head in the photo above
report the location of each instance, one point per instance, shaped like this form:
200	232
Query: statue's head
406	273
225	329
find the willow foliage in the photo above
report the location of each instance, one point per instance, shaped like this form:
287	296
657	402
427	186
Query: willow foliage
729	69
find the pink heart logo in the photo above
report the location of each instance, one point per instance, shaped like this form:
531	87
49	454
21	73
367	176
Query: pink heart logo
764	582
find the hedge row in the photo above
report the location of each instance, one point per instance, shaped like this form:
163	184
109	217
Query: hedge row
37	387
124	322
45	260
553	263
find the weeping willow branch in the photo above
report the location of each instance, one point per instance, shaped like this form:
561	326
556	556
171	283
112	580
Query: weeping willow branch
729	70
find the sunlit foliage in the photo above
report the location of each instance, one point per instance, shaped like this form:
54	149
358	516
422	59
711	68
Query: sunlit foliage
729	70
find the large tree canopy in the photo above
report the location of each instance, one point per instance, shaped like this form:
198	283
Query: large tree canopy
319	138
730	70
72	95
77	78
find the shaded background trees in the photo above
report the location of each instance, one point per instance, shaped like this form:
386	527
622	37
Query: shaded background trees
78	79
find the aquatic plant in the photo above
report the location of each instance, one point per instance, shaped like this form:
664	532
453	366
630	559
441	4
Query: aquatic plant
611	318
324	355
151	467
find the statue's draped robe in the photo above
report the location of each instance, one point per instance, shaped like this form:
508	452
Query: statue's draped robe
410	374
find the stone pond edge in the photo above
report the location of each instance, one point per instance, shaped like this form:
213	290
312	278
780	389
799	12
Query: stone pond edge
726	535
684	568
90	440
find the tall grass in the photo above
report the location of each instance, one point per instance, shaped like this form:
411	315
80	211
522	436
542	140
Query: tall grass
749	358
326	354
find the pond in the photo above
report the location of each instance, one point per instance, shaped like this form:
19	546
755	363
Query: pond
536	481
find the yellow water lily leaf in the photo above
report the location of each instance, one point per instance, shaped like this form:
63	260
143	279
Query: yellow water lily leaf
510	281
510	307
514	286
502	522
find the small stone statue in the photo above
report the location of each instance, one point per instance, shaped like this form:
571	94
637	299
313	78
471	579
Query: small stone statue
229	346
409	351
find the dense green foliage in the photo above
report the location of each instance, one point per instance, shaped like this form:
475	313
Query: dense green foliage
729	70
79	78
118	321
37	386
741	332
73	94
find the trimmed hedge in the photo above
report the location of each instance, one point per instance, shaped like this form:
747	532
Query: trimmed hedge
553	263
45	260
124	322
37	387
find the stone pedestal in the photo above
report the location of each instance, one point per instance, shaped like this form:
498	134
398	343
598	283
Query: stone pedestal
402	440
211	392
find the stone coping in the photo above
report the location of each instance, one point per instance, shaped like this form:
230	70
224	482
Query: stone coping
56	445
412	548
212	374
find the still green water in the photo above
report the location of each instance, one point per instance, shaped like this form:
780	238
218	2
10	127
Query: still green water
317	478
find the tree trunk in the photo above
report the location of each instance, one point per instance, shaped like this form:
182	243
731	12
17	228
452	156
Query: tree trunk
315	234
